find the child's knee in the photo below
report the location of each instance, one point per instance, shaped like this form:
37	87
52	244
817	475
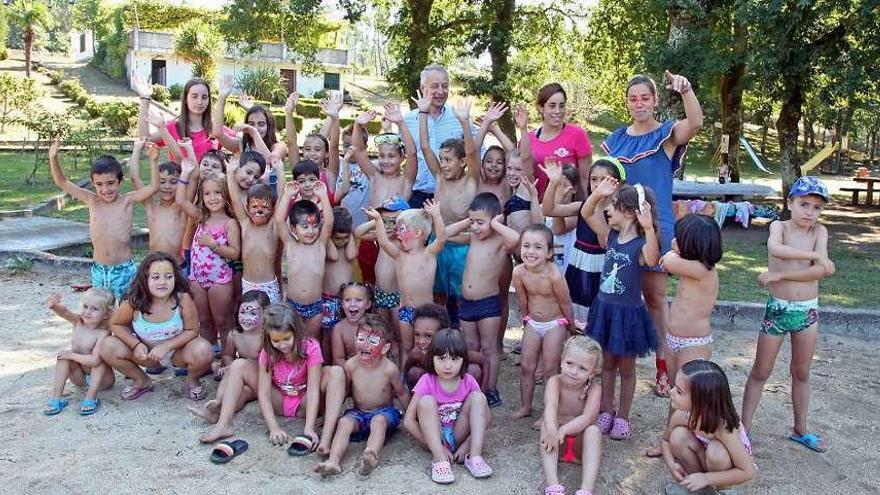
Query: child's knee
332	376
379	421
717	457
680	437
427	404
760	373
800	372
112	348
199	352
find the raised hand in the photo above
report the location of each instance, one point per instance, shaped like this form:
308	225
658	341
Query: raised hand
53	148
373	214
187	165
332	106
495	111
156	120
462	109
553	169
606	188
53	300
245	101
423	102
366	117
152	151
393	113
291	188
645	216
290	104
677	83
521	117
531	185
141	87
226	85
432	207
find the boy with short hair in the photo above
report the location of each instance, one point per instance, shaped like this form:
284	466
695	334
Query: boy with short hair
341	253
457	173
305	246
480	310
307	174
375	381
415	262
165	219
259	238
798	259
111	216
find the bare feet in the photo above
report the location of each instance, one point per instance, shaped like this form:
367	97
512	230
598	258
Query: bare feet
538	423
328	468
323	448
211	416
654	451
216	433
522	412
369	461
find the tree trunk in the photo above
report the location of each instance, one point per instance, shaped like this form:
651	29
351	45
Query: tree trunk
499	47
765	128
731	93
28	46
416	55
787	130
844	123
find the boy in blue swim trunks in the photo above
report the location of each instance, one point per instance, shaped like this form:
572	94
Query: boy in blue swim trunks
480	311
798	259
375	382
110	217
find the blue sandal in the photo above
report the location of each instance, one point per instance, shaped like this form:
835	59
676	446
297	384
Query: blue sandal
88	407
809	440
55	406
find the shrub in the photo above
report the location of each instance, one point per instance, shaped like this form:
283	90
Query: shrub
55	76
374	127
176	91
119	116
93	108
313	101
281	124
232	115
308	110
262	83
161	94
320	94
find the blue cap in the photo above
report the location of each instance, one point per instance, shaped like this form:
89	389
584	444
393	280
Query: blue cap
394	203
807	185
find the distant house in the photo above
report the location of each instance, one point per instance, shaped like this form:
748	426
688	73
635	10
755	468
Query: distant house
151	55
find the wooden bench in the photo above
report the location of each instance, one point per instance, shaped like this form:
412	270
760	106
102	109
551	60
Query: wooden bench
855	193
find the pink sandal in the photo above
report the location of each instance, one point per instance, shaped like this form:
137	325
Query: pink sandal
621	429
477	466
605	421
441	472
554	490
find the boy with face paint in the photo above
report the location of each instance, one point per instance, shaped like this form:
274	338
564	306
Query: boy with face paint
375	382
260	248
166	221
305	240
414	262
111	216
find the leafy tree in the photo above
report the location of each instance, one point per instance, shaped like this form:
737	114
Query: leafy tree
198	42
46	125
16	95
30	15
92	15
4	34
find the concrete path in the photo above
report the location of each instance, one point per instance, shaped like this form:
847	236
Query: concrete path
40	233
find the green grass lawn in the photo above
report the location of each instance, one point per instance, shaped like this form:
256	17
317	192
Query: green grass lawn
15	167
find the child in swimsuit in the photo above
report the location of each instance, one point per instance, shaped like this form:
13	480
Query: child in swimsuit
448	414
356	299
217	239
546	307
618	318
157	325
290	376
571	405
704	444
81	362
798	259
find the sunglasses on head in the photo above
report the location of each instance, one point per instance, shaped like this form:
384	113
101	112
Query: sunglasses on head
387	138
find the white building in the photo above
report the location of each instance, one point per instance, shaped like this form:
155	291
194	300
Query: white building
151	55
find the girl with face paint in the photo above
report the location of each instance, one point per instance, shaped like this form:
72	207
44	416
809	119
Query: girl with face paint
239	368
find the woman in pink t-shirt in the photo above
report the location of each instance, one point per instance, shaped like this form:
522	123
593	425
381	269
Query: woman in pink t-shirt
448	414
564	142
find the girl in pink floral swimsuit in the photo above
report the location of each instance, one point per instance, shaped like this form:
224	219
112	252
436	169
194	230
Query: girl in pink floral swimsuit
217	240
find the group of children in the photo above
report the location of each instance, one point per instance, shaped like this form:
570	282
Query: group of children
225	233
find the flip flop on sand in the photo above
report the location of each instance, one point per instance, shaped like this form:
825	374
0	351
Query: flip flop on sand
810	441
227	450
88	407
302	445
55	406
130	392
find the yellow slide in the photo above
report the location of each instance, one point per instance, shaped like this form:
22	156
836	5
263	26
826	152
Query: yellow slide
819	157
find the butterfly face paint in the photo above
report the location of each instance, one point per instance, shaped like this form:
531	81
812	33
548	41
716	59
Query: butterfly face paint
370	344
250	315
260	210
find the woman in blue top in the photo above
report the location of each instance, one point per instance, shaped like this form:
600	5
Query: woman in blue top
651	152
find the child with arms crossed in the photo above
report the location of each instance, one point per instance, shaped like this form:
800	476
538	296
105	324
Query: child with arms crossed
375	382
546	308
82	363
704	444
798	259
111	216
481	304
571	405
448	414
415	262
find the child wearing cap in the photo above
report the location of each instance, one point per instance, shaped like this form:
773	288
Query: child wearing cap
798	259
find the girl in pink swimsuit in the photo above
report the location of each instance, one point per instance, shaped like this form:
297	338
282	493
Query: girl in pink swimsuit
217	240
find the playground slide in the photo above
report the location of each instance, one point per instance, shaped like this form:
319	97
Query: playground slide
819	157
753	155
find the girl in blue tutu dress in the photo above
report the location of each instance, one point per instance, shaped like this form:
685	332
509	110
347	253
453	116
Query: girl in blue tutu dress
618	318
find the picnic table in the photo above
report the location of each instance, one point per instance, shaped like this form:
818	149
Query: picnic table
697	189
869	190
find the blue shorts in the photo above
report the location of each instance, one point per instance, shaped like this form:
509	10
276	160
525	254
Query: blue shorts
307	311
386	299
116	278
363	418
184	265
406	314
487	307
331	307
450	269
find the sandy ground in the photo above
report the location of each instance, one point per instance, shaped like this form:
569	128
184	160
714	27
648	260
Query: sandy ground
151	445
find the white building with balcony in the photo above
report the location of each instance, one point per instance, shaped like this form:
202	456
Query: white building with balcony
151	56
